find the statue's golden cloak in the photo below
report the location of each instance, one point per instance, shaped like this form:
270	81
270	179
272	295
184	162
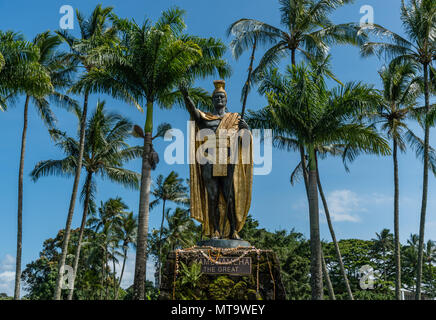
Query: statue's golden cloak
242	180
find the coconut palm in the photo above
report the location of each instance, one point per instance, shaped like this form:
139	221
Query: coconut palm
107	222
419	23
309	31
20	70
302	110
126	233
170	188
430	258
105	153
182	230
384	243
94	33
59	72
150	63
400	91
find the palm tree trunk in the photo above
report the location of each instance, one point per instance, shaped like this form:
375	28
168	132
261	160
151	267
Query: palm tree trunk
315	241
103	271
424	187
82	230
121	274
20	204
67	231
115	274
247	83
160	246
105	264
397	248
332	233
143	212
305	173
327	278
293	57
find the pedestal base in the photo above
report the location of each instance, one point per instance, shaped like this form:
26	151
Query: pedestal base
224	243
218	273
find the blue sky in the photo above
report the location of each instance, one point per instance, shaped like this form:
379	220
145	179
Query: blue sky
360	201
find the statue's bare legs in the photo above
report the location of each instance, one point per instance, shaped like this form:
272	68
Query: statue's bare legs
228	190
212	187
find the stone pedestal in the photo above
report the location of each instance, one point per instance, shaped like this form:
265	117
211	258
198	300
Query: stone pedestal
224	243
214	273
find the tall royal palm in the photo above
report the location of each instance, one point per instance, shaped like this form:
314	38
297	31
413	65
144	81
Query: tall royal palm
419	23
302	110
321	152
105	153
94	33
170	188
147	67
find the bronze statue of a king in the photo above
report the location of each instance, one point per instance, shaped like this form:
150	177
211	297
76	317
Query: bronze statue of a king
221	167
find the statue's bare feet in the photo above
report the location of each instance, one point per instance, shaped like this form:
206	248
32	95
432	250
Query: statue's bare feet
235	236
216	235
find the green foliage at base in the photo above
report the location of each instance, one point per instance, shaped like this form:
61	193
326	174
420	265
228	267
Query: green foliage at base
192	284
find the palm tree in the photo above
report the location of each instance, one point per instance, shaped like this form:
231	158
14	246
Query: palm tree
419	22
105	153
302	112
384	243
400	91
149	64
107	223
321	152
35	70
59	72
166	189
309	31
430	258
20	70
322	67
126	231
94	33
182	230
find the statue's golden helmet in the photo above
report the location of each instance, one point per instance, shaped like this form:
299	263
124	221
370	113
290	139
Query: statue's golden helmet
219	87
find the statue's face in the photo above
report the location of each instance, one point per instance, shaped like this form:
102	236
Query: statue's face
219	100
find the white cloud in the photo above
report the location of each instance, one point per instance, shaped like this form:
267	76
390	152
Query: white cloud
379	198
7	275
344	205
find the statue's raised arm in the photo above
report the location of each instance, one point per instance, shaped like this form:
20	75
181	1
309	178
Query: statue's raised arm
190	106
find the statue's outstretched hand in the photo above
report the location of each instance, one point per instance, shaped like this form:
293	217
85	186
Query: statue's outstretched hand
243	125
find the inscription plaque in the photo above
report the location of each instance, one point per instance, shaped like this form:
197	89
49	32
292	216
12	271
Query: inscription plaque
240	267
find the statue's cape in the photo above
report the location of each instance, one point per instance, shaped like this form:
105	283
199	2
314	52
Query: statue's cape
242	179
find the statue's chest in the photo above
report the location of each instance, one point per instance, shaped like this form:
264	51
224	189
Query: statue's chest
210	124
